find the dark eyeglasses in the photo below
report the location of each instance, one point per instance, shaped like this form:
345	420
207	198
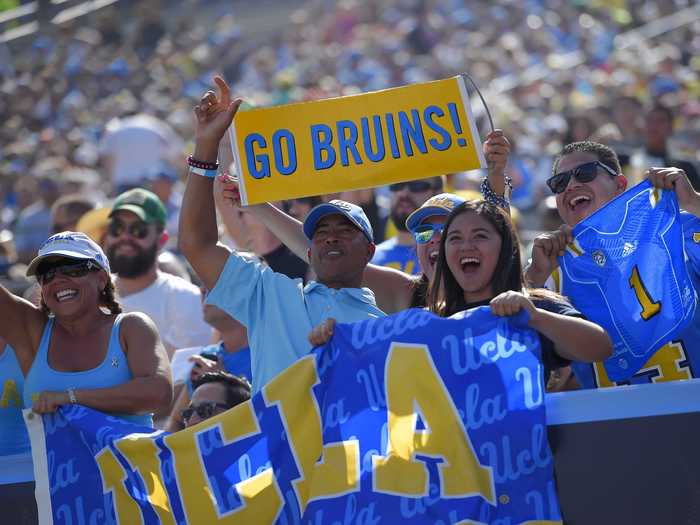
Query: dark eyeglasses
137	229
204	410
583	173
46	274
416	186
425	232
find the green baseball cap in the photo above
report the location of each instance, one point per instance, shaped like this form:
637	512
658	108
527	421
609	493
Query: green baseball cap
143	203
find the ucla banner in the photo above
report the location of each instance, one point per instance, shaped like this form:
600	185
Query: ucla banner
357	141
406	419
626	270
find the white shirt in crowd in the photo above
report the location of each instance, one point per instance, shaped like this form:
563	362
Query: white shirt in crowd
138	145
175	306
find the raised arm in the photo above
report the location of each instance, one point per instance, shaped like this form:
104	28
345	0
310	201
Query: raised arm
496	149
150	389
21	326
198	234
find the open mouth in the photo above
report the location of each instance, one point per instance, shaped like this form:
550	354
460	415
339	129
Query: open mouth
432	257
470	264
334	253
65	295
579	202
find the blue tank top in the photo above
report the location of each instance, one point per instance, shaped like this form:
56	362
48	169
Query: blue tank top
113	371
15	450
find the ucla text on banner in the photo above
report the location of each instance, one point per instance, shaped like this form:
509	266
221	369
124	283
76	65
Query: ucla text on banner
357	141
626	271
405	419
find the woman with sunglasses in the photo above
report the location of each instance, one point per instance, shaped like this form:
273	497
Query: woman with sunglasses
78	347
479	265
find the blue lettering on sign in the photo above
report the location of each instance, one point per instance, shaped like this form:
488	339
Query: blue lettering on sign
258	165
347	142
412	132
291	166
391	132
374	156
321	140
452	107
428	114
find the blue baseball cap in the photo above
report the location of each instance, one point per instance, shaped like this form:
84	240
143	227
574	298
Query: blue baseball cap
352	212
441	204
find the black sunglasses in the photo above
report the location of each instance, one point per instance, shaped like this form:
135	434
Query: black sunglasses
137	229
416	186
46	273
204	410
583	173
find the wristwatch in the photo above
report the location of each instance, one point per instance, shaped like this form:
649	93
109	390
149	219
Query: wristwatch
71	396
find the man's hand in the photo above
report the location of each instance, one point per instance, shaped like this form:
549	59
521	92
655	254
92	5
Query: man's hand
545	250
226	190
214	115
675	179
321	334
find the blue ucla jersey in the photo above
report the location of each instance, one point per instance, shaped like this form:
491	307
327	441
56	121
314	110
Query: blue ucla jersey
626	270
397	256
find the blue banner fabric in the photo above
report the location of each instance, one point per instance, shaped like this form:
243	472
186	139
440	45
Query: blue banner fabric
405	419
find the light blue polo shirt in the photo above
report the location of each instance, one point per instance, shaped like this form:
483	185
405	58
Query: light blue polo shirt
280	312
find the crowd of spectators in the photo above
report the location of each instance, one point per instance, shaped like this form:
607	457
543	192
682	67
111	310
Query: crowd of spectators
77	99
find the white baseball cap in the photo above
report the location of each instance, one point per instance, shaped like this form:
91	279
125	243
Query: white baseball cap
72	245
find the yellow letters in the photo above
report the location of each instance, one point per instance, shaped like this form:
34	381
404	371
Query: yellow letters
262	500
10	394
113	476
412	381
142	454
338	470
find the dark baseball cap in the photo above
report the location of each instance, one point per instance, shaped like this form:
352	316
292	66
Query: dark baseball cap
143	203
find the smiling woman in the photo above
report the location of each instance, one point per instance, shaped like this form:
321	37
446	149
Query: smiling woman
78	347
479	265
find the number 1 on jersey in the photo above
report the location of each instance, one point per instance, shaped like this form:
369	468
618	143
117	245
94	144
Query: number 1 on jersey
649	307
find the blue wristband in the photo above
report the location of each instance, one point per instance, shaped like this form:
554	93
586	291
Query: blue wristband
210	174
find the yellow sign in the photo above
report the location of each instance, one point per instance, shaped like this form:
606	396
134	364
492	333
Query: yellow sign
358	141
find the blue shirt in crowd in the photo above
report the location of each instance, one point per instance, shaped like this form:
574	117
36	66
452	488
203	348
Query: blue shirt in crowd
280	312
15	451
398	256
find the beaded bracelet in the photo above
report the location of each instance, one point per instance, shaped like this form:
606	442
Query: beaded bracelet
201	164
491	196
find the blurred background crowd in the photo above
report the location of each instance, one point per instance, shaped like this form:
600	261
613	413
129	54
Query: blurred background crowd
99	99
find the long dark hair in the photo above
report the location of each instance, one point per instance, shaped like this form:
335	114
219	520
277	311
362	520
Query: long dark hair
446	296
108	299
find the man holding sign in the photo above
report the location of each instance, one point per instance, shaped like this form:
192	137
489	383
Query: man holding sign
587	176
278	312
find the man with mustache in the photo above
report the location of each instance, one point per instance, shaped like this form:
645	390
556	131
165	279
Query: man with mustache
400	251
135	235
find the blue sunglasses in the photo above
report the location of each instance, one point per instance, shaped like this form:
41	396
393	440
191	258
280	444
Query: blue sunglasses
425	232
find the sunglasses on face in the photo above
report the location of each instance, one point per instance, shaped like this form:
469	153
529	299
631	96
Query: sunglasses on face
204	410
417	186
46	274
583	173
424	233
137	229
